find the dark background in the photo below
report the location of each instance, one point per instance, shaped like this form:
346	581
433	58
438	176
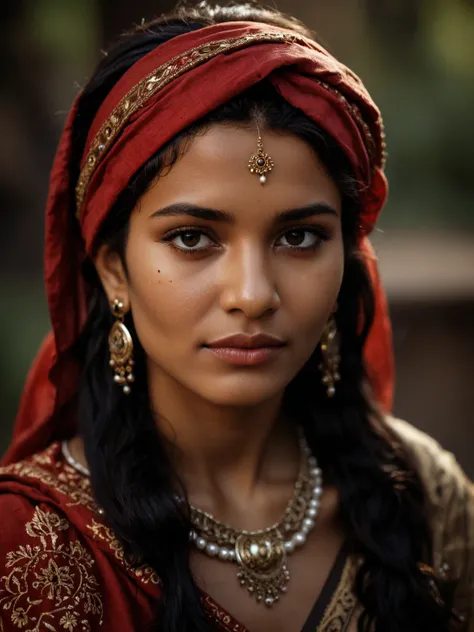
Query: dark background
417	59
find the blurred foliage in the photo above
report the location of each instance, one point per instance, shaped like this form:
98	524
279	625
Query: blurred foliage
22	326
415	56
421	73
68	31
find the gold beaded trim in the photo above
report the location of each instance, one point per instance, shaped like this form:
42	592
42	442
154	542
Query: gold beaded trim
177	66
151	84
356	114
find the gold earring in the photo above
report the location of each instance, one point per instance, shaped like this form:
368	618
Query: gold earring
121	349
260	163
331	358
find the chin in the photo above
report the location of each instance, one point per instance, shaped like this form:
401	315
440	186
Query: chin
242	391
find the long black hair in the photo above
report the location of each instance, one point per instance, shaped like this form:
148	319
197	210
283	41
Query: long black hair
381	497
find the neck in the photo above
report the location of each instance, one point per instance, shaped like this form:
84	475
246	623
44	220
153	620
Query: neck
229	459
223	451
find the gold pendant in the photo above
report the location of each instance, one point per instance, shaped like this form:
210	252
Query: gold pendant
262	563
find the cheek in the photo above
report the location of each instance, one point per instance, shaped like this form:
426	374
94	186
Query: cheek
166	299
312	294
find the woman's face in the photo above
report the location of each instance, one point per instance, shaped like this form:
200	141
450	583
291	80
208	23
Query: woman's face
213	253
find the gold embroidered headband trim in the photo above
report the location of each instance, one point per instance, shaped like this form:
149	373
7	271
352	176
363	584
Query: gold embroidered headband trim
163	75
150	85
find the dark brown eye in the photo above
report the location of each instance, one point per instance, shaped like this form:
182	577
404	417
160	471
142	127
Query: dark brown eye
295	237
190	238
300	239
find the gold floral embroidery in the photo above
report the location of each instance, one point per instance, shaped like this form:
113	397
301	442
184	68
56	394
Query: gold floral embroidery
337	617
65	479
220	617
55	580
56	474
19	618
55	577
43	458
339	613
153	83
100	532
68	621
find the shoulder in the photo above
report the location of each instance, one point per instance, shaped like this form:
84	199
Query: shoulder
47	571
46	474
23	518
450	509
417	441
438	468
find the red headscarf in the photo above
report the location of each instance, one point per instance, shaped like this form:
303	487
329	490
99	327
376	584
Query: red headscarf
161	94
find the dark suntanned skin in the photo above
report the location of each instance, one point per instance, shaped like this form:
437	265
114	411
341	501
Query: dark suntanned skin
270	261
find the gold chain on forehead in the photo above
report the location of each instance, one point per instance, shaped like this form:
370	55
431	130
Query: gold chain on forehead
164	74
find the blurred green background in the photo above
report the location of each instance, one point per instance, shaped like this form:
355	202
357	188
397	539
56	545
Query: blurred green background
417	59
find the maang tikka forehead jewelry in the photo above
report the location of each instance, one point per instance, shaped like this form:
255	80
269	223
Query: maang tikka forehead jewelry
260	163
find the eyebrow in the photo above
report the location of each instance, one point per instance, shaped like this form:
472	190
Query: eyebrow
216	215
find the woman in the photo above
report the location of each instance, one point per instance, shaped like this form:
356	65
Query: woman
201	444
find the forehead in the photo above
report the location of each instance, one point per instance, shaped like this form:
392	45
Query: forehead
214	172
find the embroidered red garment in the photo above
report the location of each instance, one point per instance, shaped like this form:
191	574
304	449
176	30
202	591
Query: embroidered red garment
65	569
171	87
62	568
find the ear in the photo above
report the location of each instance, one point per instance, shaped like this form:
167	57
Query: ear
111	271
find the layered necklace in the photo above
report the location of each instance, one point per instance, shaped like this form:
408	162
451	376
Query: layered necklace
260	556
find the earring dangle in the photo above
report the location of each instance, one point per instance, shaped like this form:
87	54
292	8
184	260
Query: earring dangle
121	349
331	358
260	163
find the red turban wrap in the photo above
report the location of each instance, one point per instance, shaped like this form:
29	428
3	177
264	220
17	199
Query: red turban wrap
168	89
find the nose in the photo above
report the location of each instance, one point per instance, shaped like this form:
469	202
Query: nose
247	282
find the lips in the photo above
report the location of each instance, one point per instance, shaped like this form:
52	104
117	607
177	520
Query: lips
242	350
244	341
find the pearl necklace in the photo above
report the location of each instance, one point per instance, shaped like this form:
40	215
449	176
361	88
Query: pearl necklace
259	555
